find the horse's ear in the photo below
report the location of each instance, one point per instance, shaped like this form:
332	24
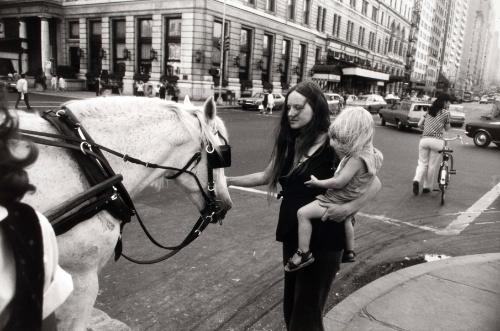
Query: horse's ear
209	108
187	102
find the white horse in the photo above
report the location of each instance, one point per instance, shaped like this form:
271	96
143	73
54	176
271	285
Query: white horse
150	129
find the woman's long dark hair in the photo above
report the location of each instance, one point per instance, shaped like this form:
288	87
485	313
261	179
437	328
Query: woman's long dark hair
287	145
14	181
438	104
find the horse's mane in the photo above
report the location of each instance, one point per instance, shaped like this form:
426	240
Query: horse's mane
134	108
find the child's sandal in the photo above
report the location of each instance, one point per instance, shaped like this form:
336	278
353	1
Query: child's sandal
306	258
348	256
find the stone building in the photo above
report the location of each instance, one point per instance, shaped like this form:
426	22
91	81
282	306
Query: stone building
346	45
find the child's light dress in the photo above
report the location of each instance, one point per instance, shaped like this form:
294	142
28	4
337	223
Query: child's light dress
359	183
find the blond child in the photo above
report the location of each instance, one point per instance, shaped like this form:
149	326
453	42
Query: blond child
351	136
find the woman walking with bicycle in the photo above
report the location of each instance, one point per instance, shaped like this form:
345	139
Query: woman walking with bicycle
433	124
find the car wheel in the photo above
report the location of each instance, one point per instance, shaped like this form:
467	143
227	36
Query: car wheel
481	139
382	121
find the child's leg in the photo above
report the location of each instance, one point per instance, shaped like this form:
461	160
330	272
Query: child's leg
304	215
349	234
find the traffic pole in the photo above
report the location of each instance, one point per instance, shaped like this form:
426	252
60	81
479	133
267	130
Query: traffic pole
221	73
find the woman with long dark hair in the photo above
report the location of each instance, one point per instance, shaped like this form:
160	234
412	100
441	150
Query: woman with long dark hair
32	283
302	149
433	124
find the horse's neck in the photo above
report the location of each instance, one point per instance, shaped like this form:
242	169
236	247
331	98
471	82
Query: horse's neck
147	135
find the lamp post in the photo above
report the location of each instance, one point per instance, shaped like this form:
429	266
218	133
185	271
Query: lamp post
219	99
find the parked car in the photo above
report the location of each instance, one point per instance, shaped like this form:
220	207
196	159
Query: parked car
350	98
335	102
457	116
484	99
406	114
9	82
371	102
253	102
476	99
484	132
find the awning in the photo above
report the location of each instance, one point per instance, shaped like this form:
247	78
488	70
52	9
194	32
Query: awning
365	73
328	77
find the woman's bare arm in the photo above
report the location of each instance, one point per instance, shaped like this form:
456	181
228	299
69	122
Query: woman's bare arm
338	212
250	180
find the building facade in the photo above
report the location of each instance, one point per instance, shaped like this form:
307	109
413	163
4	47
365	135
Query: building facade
453	44
474	56
353	46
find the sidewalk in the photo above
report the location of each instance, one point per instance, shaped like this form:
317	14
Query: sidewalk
461	293
91	94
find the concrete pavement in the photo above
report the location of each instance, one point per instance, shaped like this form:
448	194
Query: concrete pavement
460	293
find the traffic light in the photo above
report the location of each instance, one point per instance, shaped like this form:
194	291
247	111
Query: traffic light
214	72
226	42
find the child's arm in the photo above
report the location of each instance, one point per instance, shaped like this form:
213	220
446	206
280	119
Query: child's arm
352	166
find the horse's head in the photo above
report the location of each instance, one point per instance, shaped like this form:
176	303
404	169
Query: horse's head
213	196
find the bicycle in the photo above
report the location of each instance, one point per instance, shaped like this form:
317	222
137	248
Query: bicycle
446	168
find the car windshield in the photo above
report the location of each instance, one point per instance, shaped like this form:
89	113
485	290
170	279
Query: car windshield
257	95
363	98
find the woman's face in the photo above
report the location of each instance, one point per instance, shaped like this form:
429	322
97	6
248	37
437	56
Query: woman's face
299	111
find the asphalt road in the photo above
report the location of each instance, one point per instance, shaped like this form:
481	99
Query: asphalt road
231	277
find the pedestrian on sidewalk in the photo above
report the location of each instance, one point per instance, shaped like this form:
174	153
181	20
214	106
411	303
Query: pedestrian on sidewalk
351	136
265	100
302	149
62	84
270	103
53	83
22	91
433	123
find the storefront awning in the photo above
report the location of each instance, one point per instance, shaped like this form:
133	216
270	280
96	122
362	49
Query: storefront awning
365	73
328	77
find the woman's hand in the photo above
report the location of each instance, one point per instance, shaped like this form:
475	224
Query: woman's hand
313	182
335	212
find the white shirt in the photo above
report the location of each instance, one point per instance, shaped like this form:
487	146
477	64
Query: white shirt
22	85
58	284
270	100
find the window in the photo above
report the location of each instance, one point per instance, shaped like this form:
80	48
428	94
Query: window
118	35
95	45
144	45
317	56
267	49
291	9
336	25
172	44
374	14
301	62
323	19
361	36
285	61
350	30
364	8
353	3
270	5
74	30
250	2
245	55
307	11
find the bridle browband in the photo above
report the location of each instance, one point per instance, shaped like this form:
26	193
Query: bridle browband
212	211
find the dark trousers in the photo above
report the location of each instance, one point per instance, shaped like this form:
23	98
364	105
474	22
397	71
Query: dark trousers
306	290
26	100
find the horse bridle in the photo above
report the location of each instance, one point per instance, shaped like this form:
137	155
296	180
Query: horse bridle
216	158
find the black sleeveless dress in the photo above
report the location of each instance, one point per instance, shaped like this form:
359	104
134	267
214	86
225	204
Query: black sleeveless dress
327	235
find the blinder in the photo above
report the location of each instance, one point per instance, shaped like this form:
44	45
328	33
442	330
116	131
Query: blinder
221	159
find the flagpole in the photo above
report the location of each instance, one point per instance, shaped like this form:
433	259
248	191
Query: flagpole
221	73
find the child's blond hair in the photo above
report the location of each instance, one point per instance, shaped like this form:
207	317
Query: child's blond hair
353	129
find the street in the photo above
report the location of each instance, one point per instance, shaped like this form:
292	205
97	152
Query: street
231	277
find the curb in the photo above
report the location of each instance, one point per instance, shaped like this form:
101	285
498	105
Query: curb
339	316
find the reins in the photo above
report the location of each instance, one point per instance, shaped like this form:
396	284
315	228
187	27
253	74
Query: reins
210	213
